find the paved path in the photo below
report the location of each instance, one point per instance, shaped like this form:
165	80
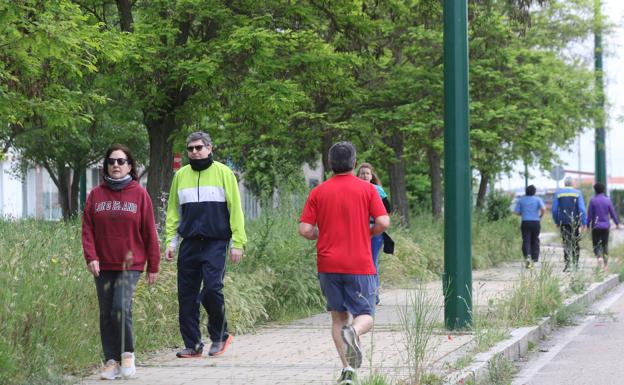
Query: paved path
302	352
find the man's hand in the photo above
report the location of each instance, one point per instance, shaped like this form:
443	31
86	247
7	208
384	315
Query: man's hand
308	231
151	278
236	254
382	223
169	253
94	268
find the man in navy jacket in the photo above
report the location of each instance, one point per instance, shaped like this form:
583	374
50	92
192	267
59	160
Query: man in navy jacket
568	211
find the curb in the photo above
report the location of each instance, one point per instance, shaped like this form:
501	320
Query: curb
518	344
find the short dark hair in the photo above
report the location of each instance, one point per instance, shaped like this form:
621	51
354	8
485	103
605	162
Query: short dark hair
129	157
599	188
530	190
342	157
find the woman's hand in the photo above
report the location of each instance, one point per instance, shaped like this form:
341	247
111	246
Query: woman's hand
94	268
151	278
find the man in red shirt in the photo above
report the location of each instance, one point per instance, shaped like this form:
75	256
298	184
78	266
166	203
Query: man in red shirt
336	214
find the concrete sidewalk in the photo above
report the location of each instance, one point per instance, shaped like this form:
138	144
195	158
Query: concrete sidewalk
302	352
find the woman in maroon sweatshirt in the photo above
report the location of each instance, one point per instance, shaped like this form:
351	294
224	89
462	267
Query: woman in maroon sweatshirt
119	239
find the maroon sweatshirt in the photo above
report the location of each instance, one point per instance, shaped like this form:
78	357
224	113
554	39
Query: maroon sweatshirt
115	223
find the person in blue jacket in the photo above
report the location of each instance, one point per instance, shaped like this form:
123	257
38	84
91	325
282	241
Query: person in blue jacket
531	209
568	212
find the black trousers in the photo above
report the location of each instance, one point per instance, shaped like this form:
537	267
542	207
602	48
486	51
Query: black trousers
201	261
600	241
530	239
571	243
115	290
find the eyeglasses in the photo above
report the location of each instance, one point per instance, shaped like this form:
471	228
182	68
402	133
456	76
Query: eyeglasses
196	148
119	161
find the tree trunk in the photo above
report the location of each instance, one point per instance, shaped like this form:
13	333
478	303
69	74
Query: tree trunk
160	171
75	190
124	8
326	143
485	179
396	169
435	175
62	184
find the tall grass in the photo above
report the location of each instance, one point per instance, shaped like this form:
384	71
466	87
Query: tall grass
536	295
48	304
419	318
49	309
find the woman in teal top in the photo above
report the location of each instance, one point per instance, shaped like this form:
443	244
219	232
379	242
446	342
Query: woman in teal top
531	209
367	173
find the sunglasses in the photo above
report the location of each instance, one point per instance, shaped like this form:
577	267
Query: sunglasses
119	161
196	148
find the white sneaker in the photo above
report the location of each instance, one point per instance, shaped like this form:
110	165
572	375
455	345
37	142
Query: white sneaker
128	369
111	370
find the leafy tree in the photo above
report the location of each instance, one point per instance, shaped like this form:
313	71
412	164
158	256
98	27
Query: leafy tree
49	99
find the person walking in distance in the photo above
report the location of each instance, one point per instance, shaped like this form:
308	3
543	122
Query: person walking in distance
119	240
568	212
336	214
600	208
531	209
367	173
204	212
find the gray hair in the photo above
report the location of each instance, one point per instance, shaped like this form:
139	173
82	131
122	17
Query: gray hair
199	135
567	181
342	157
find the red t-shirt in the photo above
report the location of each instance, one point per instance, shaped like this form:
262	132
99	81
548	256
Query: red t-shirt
340	207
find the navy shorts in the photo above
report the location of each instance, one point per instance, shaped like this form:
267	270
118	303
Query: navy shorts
354	293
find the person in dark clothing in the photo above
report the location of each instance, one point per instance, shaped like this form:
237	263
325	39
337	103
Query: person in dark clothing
568	212
531	209
600	209
119	240
204	219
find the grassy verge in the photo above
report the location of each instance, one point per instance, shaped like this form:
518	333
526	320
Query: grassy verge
48	305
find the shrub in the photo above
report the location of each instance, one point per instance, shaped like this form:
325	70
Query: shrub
497	206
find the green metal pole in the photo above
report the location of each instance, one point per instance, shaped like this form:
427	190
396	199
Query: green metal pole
83	190
601	161
526	175
457	278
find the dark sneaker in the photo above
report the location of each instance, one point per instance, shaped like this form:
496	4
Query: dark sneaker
352	341
347	376
218	348
190	353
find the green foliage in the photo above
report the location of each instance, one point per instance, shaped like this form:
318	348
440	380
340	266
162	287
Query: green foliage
276	83
494	242
497	206
418	319
617	197
568	315
500	370
374	379
537	295
48	302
